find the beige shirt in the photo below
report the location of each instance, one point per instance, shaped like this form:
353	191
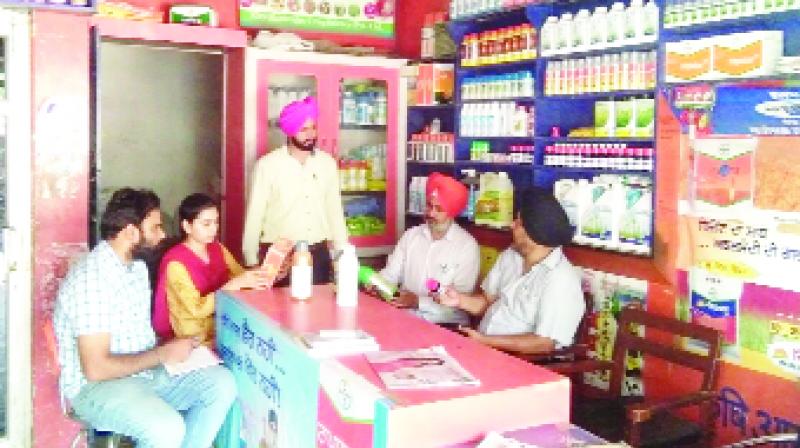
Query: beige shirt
293	200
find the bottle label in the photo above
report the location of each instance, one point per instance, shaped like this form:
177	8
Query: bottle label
301	282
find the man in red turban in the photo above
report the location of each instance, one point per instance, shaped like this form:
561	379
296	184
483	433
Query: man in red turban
295	194
438	252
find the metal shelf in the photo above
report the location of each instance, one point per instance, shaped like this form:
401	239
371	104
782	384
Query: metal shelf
518	99
573	169
732	23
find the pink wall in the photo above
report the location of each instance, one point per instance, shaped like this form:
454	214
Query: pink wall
60	203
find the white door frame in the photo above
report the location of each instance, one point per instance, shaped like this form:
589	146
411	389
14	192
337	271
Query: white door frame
15	27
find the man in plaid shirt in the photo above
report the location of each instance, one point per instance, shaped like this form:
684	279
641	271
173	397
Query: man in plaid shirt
111	367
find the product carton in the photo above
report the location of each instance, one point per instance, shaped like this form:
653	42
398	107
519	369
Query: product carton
689	60
604	204
644	117
635	227
744	55
723	173
624	118
443	79
567	192
604	119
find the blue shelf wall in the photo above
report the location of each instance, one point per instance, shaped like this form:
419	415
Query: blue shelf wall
564	111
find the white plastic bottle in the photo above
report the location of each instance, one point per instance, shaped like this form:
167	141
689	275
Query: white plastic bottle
616	24
566	33
582	38
347	278
650	21
550	36
635	23
302	272
600	28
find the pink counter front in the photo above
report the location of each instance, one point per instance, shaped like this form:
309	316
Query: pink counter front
289	399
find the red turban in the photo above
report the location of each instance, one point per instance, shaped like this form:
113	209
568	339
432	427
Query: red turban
451	193
296	113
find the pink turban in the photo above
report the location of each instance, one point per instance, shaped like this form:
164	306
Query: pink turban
295	114
451	193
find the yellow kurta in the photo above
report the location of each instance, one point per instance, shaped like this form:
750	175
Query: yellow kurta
190	313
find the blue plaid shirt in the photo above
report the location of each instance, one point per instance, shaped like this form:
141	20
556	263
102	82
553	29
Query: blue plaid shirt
101	294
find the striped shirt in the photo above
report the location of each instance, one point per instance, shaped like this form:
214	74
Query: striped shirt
101	294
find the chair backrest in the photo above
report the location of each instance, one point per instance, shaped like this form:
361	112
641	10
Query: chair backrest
629	340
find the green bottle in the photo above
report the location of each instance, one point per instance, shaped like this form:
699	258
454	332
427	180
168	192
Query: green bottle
368	277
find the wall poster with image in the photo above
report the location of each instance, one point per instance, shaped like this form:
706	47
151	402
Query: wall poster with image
373	18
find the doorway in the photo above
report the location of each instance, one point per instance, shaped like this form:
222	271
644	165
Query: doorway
159	124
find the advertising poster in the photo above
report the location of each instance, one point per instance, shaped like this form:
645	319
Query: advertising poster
278	384
374	18
742	221
610	293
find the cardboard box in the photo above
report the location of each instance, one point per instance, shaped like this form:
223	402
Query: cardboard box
746	55
689	60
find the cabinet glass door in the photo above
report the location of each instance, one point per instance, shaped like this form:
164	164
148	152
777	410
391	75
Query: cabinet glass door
362	150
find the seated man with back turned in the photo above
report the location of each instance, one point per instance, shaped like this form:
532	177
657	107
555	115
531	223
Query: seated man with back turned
439	249
532	300
111	369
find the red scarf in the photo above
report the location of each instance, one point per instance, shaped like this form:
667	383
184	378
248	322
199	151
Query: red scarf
207	278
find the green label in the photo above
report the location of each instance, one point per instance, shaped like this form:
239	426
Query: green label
254	17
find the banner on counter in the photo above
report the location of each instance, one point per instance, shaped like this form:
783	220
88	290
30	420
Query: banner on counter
757	110
277	383
373	18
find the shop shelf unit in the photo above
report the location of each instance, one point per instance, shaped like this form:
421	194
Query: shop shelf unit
564	112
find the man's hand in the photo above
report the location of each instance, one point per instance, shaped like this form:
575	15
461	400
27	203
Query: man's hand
471	333
176	350
406	299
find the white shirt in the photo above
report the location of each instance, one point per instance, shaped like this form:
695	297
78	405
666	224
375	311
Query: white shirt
101	294
453	260
299	201
546	301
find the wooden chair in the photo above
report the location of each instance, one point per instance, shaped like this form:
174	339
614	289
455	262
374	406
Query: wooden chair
637	420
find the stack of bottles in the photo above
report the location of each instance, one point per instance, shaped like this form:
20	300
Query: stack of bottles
679	13
496	87
364	105
632	70
364	169
500	46
609	211
461	9
601	29
494	203
496	119
618	156
430	147
481	151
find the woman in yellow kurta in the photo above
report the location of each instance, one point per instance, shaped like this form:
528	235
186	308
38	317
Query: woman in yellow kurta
193	270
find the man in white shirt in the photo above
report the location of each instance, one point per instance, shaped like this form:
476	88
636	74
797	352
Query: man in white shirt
295	194
440	250
532	300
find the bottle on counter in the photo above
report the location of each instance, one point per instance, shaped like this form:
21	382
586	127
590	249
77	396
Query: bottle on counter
302	272
347	278
369	278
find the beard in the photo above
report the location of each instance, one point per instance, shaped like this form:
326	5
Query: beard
439	227
305	145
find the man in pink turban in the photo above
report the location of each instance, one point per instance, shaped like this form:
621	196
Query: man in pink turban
295	194
437	252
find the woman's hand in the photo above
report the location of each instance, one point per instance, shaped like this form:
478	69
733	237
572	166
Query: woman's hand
251	279
449	297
